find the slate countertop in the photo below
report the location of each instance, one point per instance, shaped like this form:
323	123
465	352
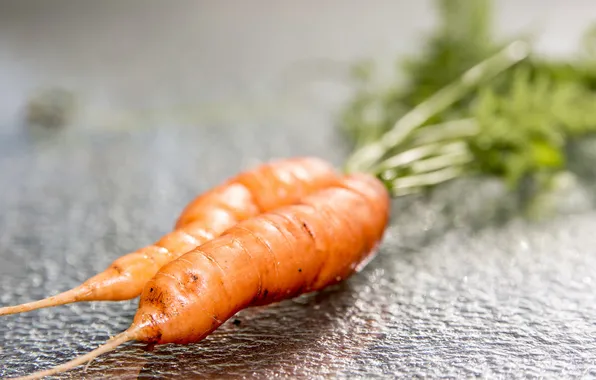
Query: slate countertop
463	287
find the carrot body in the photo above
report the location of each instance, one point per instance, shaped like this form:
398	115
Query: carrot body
274	256
277	255
264	188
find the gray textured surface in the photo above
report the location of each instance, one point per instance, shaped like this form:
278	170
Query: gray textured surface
453	293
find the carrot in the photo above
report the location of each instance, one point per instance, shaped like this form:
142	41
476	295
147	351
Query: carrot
242	197
296	249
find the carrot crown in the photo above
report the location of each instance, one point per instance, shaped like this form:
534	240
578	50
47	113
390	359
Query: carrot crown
413	154
470	104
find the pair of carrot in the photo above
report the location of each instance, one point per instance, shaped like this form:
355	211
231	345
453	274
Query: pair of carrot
285	228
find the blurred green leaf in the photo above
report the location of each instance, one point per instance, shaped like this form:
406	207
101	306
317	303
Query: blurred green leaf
524	118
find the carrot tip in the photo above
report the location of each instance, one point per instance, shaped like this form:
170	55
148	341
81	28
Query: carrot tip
63	298
128	335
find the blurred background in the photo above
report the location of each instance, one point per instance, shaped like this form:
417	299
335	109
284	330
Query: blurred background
166	99
197	61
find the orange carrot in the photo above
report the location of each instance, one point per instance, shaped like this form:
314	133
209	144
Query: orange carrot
210	214
277	255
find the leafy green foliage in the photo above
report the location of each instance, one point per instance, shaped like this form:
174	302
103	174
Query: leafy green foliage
520	132
525	117
462	39
526	124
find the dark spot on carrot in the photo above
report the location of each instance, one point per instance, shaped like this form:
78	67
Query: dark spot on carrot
299	269
257	295
237	322
159	301
153	339
151	290
265	293
308	230
318	273
194	277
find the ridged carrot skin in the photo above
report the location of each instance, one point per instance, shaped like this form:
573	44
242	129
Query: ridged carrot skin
265	188
277	255
271	185
241	198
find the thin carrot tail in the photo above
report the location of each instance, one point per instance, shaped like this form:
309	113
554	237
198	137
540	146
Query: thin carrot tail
108	285
68	296
128	335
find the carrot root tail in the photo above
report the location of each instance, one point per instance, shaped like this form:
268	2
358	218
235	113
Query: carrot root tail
128	335
68	296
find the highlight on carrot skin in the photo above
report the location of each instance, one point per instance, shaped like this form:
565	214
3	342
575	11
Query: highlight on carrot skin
264	188
280	254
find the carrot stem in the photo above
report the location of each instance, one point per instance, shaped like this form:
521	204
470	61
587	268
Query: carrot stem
411	183
410	157
365	158
445	131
